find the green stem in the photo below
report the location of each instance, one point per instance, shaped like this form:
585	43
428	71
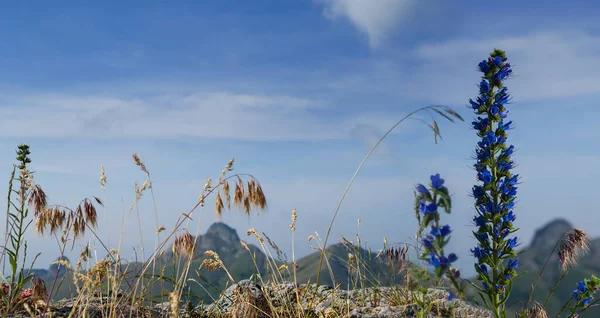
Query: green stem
556	286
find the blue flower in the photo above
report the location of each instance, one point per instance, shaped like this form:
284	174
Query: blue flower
482	237
506	126
490	137
428	243
434	261
509	217
484	87
445	230
474	104
423	206
581	286
512	243
497	60
435	231
436	181
432	208
479	220
450	296
586	302
478	252
494	110
486	177
508	151
480	123
482	268
478	192
421	189
513	264
483	66
501	97
452	258
503	73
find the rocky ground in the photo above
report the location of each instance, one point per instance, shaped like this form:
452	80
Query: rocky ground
248	299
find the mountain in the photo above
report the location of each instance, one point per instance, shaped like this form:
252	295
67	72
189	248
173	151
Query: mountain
532	261
242	264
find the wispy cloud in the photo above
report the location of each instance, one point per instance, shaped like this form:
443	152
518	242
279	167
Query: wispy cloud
377	19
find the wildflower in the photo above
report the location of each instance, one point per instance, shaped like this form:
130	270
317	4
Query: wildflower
422	190
437	182
494	200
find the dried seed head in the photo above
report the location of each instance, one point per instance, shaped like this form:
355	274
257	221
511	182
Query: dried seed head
201	199
536	311
282	268
227	168
102	177
294	216
238	193
37	200
38	289
184	245
395	254
89	210
252	231
26	180
572	245
226	194
245	245
219	206
160	229
174	304
351	262
140	163
213	262
207	185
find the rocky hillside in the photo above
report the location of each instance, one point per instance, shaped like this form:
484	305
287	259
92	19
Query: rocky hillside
225	241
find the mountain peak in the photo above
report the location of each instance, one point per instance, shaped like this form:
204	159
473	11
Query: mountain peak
547	236
223	231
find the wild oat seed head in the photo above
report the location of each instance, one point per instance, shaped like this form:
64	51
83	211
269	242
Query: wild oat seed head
102	177
140	163
184	245
174	304
536	311
38	288
573	245
219	206
252	231
294	216
201	199
245	245
37	200
213	262
226	194
282	268
160	229
227	168
208	184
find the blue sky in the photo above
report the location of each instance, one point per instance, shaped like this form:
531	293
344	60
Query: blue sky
296	92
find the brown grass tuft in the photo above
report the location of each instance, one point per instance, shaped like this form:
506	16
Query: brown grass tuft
37	200
574	244
536	311
184	245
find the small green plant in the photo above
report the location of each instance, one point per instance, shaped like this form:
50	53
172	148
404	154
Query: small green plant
13	294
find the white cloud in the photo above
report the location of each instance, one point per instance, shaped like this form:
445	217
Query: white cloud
546	65
212	114
375	18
